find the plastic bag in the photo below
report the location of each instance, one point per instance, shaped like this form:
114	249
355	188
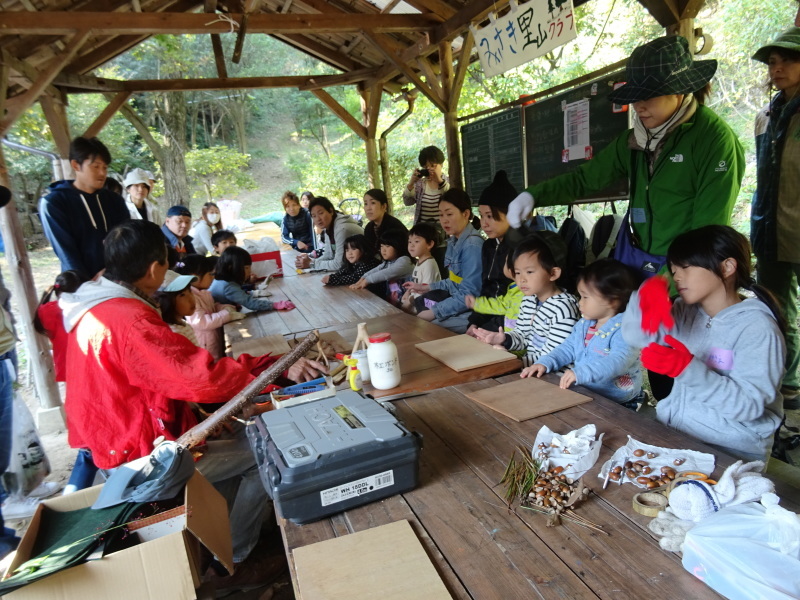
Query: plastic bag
28	464
748	551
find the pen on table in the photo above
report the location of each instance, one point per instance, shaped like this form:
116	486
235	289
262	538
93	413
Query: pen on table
605	482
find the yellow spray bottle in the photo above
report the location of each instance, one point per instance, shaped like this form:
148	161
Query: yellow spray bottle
353	373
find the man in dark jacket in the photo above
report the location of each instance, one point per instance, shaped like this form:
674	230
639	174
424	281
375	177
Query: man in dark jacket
176	229
76	215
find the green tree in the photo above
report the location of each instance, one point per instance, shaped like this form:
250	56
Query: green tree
218	171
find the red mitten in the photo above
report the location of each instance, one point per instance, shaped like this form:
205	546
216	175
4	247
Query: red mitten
283	305
668	360
655	304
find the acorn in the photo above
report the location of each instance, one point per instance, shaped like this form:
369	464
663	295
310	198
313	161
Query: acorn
643	480
646	470
679	461
638	452
651	455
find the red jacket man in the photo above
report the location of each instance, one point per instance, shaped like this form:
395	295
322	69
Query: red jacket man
129	377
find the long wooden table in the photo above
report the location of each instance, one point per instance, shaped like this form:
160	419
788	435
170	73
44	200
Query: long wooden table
482	549
340	309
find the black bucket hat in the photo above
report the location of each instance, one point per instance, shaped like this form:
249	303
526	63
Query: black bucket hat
788	40
661	68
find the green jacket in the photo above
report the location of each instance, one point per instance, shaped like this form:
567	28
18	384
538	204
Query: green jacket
695	182
506	306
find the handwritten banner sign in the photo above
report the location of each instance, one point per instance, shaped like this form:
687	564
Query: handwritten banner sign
524	33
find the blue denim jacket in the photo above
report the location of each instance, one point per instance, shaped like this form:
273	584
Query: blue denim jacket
607	365
462	259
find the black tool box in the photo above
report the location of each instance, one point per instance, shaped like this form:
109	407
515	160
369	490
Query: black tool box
326	456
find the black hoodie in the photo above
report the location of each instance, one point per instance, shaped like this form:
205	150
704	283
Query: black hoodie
76	223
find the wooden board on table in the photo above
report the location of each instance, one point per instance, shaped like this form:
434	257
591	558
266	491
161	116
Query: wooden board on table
525	399
463	352
273	344
387	561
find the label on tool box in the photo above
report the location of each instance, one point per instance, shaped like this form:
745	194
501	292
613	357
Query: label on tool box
356	488
348	417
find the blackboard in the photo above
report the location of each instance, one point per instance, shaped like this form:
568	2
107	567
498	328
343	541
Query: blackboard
491	144
544	132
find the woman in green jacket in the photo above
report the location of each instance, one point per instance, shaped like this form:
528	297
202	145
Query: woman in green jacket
683	163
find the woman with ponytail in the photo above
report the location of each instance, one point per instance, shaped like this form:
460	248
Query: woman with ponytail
724	351
443	302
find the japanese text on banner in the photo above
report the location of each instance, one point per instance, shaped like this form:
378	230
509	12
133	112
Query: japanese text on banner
525	32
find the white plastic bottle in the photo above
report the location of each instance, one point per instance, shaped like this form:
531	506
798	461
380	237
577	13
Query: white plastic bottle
384	366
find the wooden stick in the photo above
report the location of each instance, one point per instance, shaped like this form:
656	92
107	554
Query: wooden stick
197	434
362	340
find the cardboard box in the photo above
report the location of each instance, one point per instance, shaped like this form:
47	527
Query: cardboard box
165	567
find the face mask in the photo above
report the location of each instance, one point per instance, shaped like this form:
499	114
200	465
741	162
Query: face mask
213	218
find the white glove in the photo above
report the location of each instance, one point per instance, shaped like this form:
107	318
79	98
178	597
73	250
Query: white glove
670	529
237	316
520	209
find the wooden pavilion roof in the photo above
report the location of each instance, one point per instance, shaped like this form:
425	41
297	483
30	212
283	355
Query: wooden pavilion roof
56	44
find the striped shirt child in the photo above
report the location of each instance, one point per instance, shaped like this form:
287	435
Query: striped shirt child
542	326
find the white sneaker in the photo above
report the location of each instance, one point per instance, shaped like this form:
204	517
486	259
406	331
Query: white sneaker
14	509
45	489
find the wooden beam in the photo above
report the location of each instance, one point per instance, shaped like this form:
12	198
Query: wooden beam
240	33
690	8
55	113
285	7
4	70
108	113
461	71
448	76
439	7
475	11
321	81
407	71
370	109
321	51
219	55
45	78
340	112
231	83
372	97
431	79
666	12
65	23
104	52
88	83
28	74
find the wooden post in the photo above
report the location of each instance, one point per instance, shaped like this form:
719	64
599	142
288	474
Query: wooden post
55	113
370	109
451	114
36	345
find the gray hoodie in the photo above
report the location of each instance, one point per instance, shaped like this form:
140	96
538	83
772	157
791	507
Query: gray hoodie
332	258
89	295
728	395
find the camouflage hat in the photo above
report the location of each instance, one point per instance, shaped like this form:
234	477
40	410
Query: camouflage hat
788	40
661	68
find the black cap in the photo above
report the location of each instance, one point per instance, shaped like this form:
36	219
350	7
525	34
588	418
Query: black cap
178	211
500	192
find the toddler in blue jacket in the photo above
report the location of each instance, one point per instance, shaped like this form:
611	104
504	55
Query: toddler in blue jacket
602	360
